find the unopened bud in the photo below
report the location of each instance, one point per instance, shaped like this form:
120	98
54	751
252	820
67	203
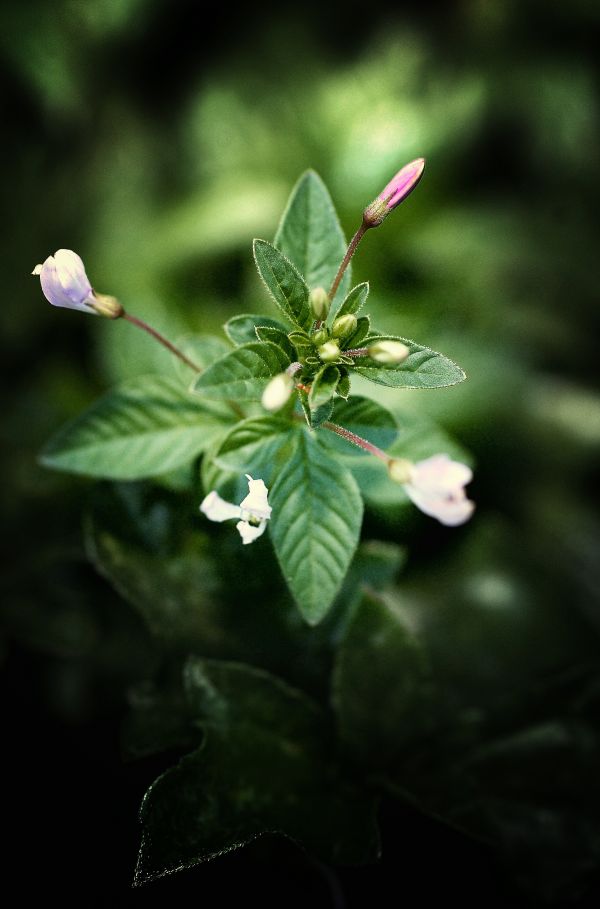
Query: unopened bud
388	352
277	392
329	352
344	326
399	187
319	303
320	336
400	470
106	306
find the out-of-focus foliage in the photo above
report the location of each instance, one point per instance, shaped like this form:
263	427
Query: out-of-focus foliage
159	176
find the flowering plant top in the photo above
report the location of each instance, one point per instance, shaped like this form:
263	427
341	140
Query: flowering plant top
300	366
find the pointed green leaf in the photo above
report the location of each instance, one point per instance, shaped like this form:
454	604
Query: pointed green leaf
354	302
424	368
243	374
242	329
315	525
267	765
256	446
311	236
276	336
143	428
284	283
365	418
382	687
323	386
343	389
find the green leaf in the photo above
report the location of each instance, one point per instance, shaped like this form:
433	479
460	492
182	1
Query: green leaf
315	525
284	283
242	329
323	386
143	428
362	330
365	418
424	368
343	389
255	446
382	688
310	234
277	336
243	374
267	765
201	350
354	302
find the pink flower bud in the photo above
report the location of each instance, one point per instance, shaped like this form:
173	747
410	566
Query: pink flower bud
394	193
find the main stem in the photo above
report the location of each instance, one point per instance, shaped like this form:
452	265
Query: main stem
162	340
349	253
357	440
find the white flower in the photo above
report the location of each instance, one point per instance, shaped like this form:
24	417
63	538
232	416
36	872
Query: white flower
436	486
64	281
253	512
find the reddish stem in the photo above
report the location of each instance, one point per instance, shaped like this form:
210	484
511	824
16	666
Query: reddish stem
349	253
158	337
357	440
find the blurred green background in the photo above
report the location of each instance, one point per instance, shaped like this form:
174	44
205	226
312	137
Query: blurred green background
157	144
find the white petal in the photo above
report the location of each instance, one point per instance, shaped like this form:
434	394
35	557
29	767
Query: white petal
37	270
250	532
255	502
53	289
448	509
441	474
71	274
217	509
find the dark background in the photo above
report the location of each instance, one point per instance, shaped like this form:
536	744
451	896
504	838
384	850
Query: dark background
157	142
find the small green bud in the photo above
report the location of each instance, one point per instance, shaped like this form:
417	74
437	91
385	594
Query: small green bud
388	352
278	391
319	303
320	336
400	470
329	352
344	326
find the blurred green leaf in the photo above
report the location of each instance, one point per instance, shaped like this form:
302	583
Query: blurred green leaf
257	446
267	765
382	690
144	427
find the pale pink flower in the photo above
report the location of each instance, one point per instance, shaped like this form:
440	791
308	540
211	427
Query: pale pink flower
436	486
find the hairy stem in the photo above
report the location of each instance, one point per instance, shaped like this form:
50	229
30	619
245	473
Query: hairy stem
349	253
162	340
357	440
